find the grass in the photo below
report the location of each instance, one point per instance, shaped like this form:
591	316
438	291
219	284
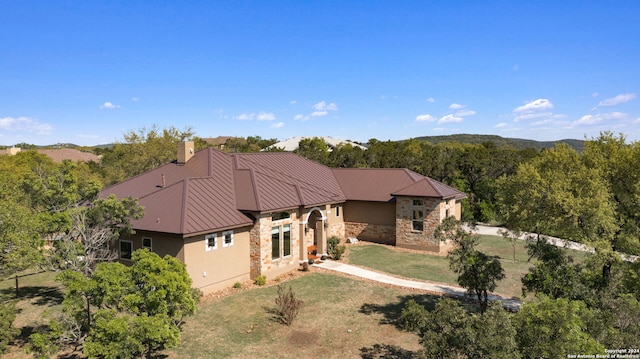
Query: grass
341	318
40	297
435	268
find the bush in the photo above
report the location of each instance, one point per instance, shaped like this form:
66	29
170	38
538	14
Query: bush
414	316
287	304
334	248
237	285
261	280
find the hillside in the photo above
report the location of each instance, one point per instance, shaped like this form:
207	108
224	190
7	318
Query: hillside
517	143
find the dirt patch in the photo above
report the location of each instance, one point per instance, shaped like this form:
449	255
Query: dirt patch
304	338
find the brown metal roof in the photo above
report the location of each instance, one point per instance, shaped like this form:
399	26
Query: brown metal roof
211	191
381	184
428	187
280	180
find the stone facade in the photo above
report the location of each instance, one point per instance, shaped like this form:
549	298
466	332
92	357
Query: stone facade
376	233
260	249
406	235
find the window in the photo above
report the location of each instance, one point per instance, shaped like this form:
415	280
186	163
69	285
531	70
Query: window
418	220
146	243
286	240
275	242
280	215
337	211
126	248
210	242
417	217
280	241
227	238
447	213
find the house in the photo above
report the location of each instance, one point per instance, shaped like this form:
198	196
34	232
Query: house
60	154
292	144
234	217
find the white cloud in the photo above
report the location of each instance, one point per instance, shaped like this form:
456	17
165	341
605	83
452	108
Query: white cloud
431	100
450	118
456	106
319	113
300	117
323	106
595	94
277	125
425	118
266	116
502	125
108	106
540	104
532	116
134	99
293	102
246	116
465	113
24	124
597	118
622	98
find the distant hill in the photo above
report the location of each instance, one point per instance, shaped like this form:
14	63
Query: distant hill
517	143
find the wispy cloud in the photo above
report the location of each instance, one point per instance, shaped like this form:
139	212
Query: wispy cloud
622	98
425	118
601	117
135	99
431	100
455	106
450	118
324	106
277	125
535	105
24	124
109	106
319	113
301	117
246	116
266	116
293	102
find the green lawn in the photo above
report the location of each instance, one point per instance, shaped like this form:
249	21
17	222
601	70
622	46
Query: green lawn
341	318
435	268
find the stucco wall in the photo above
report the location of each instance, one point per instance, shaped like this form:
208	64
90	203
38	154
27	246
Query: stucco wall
161	243
382	213
221	267
406	236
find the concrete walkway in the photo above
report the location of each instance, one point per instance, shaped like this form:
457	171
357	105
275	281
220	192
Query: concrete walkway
558	242
450	290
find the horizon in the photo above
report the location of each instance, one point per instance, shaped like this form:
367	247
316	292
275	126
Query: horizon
86	73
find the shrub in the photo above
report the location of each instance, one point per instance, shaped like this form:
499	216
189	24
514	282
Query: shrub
414	316
287	304
334	248
237	285
261	280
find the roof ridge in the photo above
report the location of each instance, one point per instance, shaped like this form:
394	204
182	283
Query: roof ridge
185	202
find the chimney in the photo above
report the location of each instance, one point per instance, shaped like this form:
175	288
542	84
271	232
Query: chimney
185	151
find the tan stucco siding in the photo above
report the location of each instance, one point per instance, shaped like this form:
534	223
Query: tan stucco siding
381	213
215	269
335	218
161	244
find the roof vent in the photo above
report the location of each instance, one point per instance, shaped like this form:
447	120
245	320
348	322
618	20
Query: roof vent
185	151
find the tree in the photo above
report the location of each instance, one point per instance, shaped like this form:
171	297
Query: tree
130	311
315	149
478	272
93	232
554	328
7	330
141	151
446	333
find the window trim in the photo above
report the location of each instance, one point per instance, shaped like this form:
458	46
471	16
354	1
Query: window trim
417	221
224	238
281	241
122	241
207	247
150	247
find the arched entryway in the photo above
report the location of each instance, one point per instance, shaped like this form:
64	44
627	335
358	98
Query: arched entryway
315	234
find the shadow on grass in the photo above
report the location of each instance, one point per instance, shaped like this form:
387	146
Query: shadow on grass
385	351
44	295
391	312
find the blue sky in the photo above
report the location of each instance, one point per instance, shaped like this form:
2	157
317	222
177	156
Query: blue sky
86	71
